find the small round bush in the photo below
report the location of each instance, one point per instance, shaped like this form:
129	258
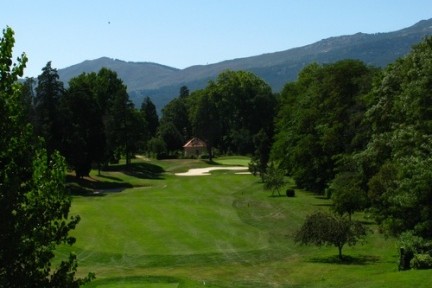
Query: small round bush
290	193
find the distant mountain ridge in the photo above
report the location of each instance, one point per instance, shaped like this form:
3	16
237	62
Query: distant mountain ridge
162	83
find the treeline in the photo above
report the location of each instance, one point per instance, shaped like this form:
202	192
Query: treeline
233	114
92	122
363	137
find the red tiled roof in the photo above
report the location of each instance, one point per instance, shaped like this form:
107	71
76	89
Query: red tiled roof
195	142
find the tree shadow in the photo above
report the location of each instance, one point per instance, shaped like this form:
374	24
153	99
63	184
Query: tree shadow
278	196
211	162
324	205
367	222
347	260
138	170
88	186
110	177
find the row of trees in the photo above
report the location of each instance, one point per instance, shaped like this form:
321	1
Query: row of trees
233	114
92	121
364	137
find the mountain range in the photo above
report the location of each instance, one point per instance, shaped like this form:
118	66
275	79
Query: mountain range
162	83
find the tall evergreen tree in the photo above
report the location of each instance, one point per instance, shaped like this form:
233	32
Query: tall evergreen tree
120	125
49	90
175	127
148	109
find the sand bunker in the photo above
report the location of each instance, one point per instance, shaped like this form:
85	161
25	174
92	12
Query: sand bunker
206	171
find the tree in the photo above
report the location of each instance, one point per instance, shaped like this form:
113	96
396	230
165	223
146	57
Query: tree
84	137
49	91
27	97
157	146
273	179
347	194
321	228
121	126
172	137
320	119
397	159
230	112
205	118
261	156
35	205
184	92
150	116
114	105
176	113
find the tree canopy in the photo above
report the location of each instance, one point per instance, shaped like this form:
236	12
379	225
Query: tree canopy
321	228
320	119
35	204
231	111
396	163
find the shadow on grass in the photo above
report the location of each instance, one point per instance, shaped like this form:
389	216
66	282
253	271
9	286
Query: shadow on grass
212	162
278	196
367	222
347	260
110	177
134	280
91	187
138	170
247	258
324	205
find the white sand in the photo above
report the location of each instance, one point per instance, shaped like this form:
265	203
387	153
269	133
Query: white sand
206	171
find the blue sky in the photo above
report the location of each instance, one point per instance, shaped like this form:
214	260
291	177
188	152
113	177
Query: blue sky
182	33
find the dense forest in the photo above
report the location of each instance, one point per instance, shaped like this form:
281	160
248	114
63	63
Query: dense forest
359	135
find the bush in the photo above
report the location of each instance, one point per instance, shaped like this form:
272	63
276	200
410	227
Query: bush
205	156
290	193
415	252
421	261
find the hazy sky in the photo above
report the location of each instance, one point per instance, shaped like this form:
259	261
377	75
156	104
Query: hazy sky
182	33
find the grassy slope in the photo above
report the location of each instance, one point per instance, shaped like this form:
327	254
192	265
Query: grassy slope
222	230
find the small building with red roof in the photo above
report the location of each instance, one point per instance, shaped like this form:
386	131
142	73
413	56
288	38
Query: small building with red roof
195	147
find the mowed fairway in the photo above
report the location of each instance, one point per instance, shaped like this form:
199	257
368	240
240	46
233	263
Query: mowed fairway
221	230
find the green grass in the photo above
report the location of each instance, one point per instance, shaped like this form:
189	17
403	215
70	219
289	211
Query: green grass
223	230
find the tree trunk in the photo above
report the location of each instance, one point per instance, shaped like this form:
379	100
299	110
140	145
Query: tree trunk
340	251
210	152
128	159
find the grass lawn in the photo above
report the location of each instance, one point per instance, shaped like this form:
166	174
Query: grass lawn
160	230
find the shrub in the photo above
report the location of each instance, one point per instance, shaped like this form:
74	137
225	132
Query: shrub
290	193
204	156
415	252
421	261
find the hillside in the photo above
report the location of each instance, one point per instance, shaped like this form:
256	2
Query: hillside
162	83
